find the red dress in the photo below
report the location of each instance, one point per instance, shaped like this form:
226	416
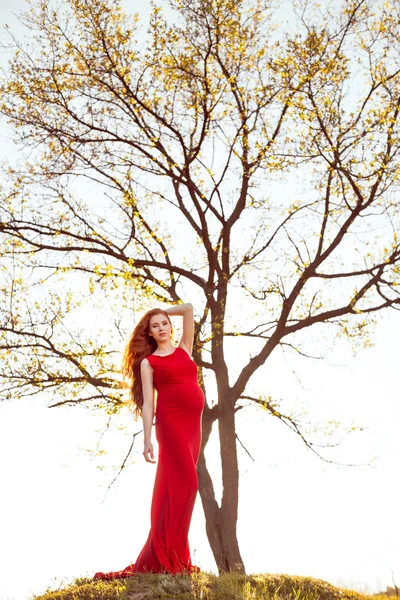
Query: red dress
180	403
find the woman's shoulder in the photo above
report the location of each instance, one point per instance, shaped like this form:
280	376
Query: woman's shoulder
145	363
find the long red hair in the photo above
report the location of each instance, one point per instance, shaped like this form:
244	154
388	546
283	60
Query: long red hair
139	345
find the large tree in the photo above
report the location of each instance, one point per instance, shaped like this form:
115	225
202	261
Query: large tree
169	171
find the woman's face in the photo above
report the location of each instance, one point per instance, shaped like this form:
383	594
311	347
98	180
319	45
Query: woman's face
160	328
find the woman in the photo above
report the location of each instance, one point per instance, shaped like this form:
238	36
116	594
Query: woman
151	362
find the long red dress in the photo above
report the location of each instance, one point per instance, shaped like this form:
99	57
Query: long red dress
180	403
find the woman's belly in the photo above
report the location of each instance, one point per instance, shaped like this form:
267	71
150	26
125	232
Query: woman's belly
178	423
183	401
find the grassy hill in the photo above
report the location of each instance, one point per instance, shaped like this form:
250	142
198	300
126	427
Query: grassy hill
206	586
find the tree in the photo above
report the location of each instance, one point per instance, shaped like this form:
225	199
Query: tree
180	139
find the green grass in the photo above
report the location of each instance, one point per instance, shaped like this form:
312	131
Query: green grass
206	586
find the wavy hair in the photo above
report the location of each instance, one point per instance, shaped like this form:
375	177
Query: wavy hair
140	344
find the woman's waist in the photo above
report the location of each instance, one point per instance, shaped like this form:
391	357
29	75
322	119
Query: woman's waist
175	391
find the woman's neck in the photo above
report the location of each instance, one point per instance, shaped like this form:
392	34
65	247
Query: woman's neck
165	348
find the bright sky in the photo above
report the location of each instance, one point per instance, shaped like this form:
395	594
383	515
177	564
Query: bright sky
297	514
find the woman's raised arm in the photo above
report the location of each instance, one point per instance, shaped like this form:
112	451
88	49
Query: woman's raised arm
185	311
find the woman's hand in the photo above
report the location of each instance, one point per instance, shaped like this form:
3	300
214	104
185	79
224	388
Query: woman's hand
148	447
179	309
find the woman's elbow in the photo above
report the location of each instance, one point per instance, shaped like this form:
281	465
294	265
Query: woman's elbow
148	405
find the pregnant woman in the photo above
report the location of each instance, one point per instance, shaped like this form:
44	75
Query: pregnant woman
152	362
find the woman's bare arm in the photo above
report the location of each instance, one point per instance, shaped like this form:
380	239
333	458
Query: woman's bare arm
186	311
146	374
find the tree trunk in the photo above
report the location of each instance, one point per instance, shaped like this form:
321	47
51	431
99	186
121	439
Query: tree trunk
221	521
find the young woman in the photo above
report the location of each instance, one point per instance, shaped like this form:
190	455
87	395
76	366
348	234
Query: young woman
152	362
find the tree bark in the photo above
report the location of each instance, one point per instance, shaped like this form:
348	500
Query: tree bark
221	521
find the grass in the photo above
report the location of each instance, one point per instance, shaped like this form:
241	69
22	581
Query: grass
206	586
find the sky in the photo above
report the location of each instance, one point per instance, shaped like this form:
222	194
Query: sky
297	514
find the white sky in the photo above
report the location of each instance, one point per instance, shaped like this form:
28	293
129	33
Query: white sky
297	514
